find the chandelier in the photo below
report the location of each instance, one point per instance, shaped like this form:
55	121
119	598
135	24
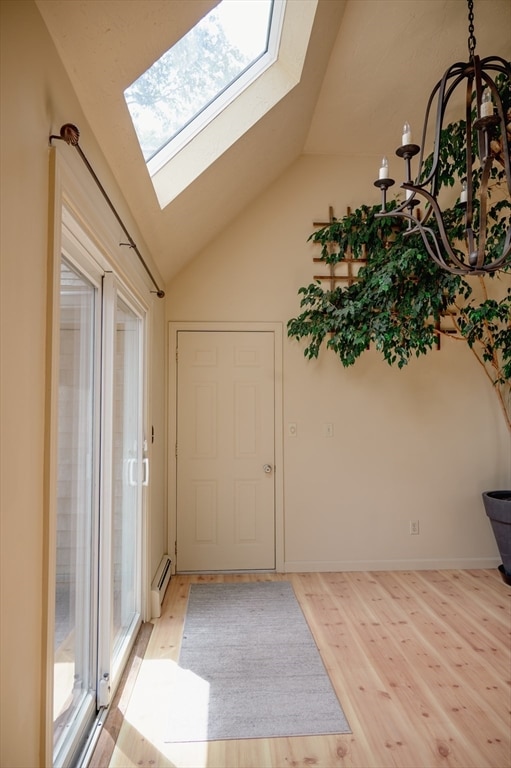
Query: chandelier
485	144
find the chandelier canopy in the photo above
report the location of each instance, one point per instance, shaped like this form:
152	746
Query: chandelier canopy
461	247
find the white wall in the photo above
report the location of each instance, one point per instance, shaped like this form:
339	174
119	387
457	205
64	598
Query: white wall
418	443
36	100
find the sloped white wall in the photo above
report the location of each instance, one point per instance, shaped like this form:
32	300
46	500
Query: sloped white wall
414	444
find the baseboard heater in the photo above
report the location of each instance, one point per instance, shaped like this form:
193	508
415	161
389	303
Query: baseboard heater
159	586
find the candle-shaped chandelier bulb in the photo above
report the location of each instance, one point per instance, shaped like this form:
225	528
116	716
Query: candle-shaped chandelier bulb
384	169
486	104
488	158
407	135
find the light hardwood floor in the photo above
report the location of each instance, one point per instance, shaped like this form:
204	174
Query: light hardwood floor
420	660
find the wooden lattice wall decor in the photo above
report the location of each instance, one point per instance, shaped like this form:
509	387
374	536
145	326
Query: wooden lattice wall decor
344	271
446	326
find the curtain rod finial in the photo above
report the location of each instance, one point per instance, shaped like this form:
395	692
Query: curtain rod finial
70	133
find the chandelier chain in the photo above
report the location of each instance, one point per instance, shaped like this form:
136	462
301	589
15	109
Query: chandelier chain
471	38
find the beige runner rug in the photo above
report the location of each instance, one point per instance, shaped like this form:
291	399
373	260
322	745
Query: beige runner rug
249	668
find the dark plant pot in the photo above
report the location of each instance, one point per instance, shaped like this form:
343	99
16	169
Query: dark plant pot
498	508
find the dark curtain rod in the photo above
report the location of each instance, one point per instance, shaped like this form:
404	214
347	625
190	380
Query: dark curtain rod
70	134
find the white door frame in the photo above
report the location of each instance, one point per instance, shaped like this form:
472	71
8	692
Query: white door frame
276	329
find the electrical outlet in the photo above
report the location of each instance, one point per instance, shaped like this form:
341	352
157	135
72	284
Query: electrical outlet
414	527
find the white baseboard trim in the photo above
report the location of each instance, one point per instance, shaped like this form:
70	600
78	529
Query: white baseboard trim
329	566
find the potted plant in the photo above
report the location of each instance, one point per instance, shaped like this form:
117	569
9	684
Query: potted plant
402	303
498	508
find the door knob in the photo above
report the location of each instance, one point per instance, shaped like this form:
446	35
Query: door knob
267	468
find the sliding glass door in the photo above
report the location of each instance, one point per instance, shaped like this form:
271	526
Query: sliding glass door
100	476
123	460
77	508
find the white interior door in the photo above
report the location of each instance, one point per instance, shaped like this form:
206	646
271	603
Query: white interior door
225	451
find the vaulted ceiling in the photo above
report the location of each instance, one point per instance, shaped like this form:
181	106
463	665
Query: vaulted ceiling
370	64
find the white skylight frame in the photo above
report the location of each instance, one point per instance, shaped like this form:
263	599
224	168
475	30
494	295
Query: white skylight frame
220	102
172	171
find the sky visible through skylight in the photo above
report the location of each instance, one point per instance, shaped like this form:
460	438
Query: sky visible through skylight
196	70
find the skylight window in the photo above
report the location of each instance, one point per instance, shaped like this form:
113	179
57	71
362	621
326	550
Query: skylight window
182	126
199	75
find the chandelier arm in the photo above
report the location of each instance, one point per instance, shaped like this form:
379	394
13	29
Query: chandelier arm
481	135
502	262
506	153
428	212
483	211
506	158
469	212
431	244
507	243
399	210
458	71
424	133
440	222
496	64
419	228
505	259
435	252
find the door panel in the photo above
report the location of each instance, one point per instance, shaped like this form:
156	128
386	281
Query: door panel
122	477
225	437
127	465
76	513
